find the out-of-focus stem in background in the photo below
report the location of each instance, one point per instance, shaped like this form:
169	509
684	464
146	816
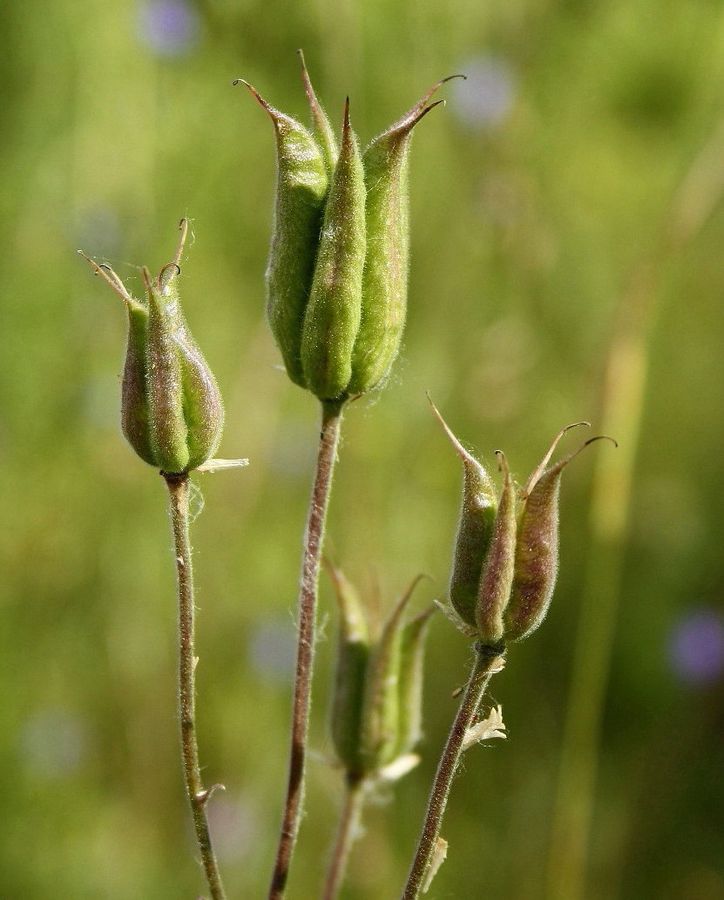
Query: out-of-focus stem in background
622	406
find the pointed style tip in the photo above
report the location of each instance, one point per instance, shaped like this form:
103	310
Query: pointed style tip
561	464
406	597
503	464
314	105
183	227
147	280
459	449
601	437
167	274
257	96
109	276
451	77
305	75
541	467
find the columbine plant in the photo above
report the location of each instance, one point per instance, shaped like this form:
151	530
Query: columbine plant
336	302
376	708
172	415
504	572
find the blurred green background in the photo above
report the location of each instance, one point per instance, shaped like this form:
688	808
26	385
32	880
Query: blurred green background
567	234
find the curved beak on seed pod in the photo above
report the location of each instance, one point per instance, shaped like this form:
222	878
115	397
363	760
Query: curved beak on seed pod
536	556
377	700
476	525
171	412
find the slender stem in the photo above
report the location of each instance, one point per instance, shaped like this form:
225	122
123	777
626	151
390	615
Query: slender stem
178	487
346	833
486	662
307	610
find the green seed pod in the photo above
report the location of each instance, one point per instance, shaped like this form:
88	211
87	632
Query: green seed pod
302	185
134	392
172	413
384	290
349	682
496	579
380	735
475	532
536	557
377	700
332	316
412	655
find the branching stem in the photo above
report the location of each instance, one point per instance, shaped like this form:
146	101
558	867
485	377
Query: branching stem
307	612
178	487
487	661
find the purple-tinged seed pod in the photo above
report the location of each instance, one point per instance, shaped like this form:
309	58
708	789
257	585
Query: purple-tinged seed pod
171	408
475	530
536	556
496	579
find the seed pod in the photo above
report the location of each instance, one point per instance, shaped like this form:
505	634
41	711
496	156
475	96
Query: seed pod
412	656
380	733
134	392
536	557
349	682
497	573
302	185
475	531
332	317
384	290
172	413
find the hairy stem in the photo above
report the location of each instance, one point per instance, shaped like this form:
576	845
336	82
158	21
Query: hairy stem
487	660
307	610
178	487
346	833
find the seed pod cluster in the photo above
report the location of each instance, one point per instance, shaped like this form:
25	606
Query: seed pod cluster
171	408
513	549
377	700
337	272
